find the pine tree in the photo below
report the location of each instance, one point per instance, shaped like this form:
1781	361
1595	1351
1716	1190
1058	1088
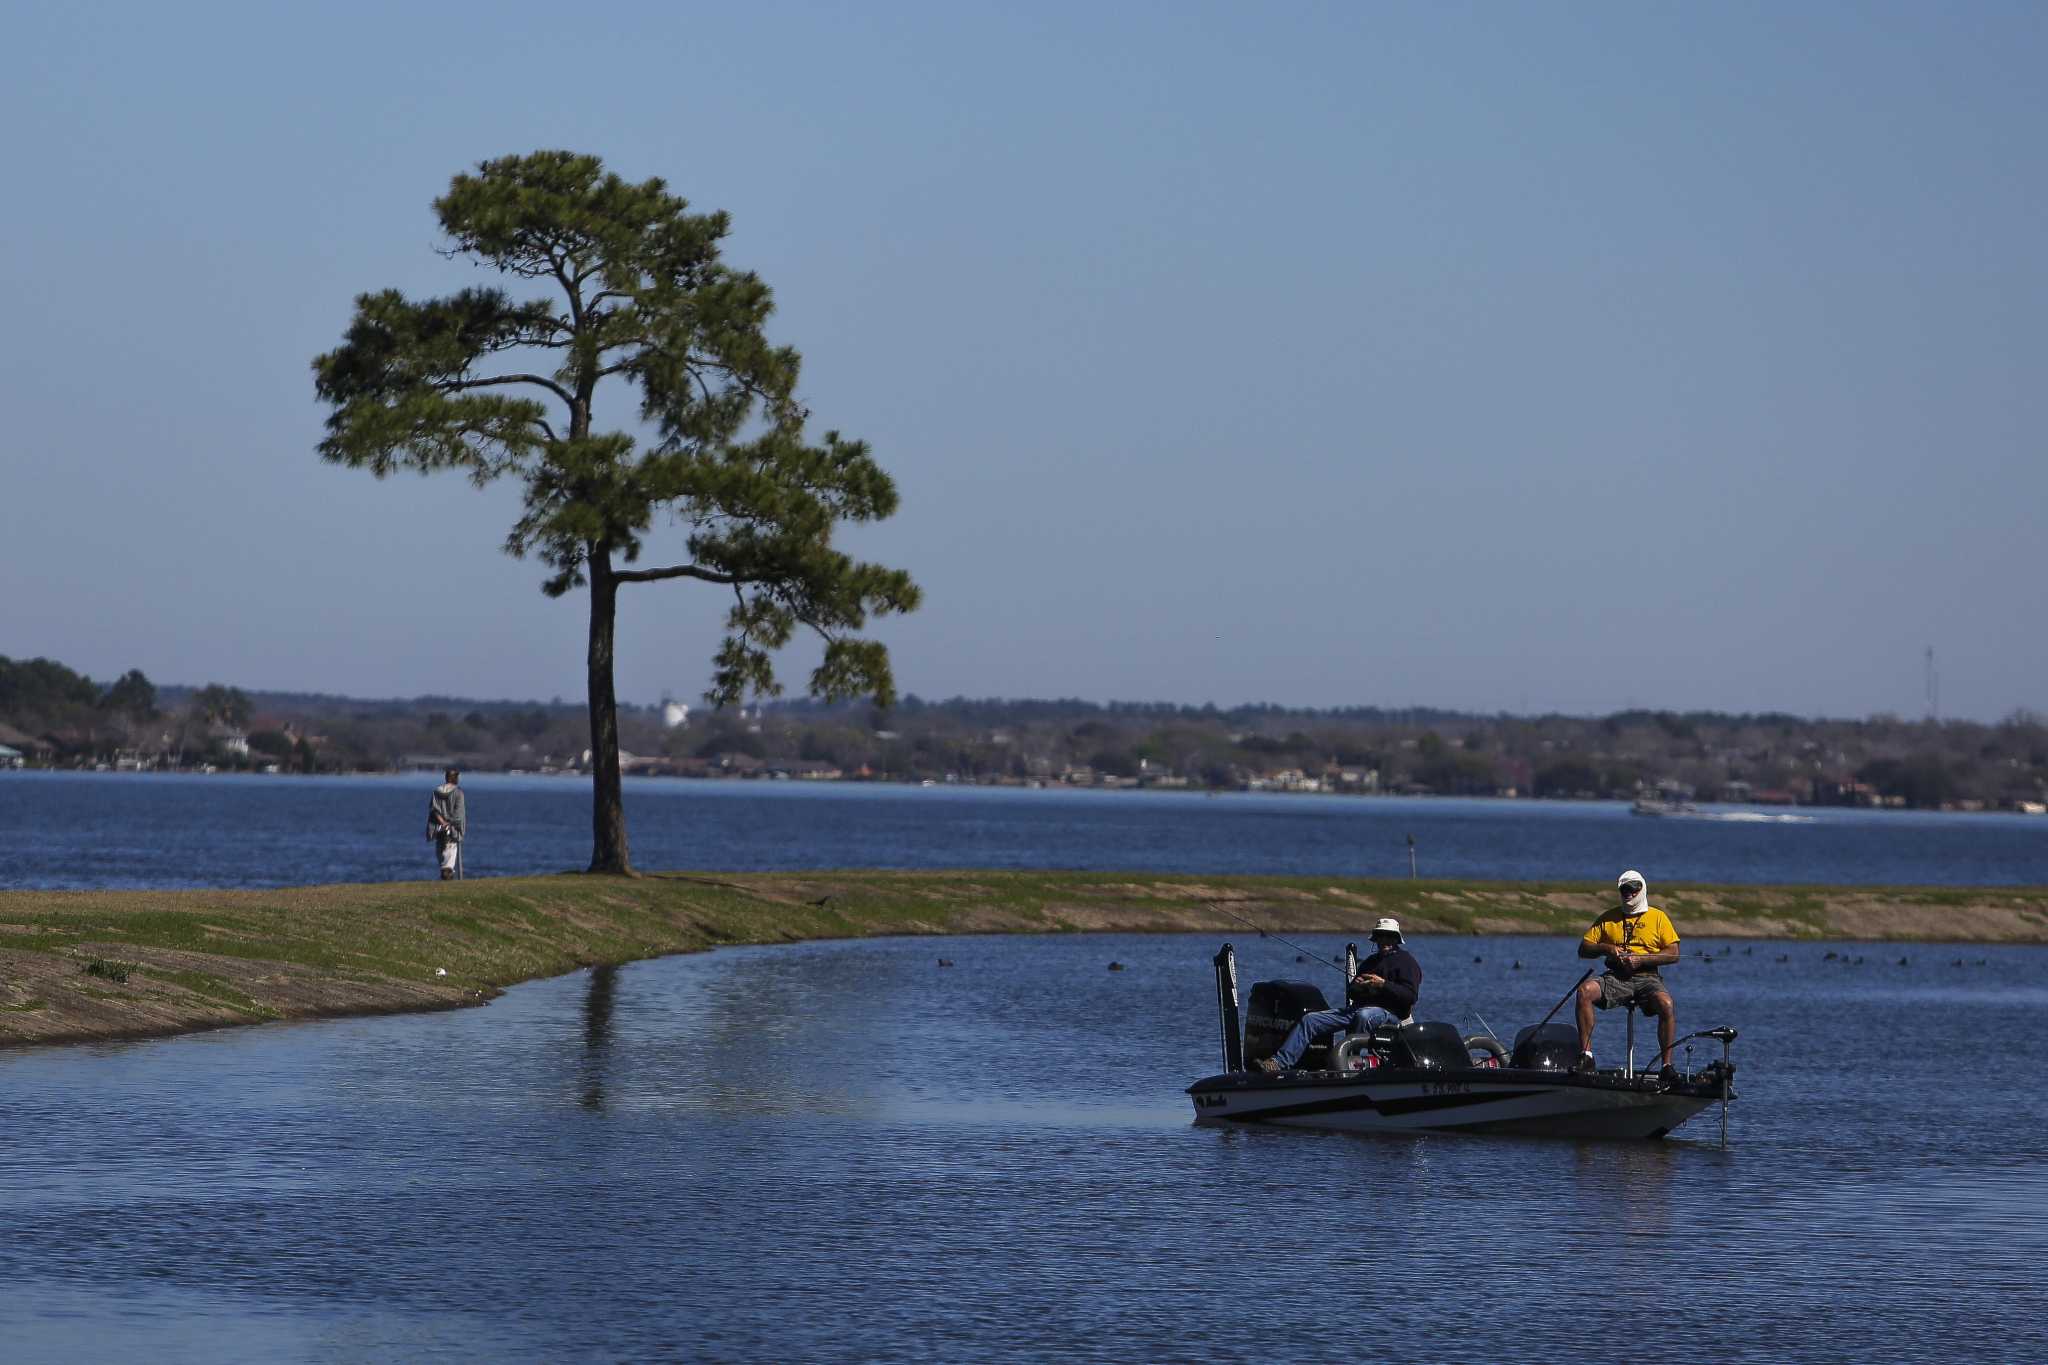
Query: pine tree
626	285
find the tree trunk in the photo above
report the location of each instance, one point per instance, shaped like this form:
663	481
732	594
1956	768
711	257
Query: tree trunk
607	801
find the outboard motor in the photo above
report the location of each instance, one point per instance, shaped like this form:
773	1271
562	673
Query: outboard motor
1547	1047
1276	1007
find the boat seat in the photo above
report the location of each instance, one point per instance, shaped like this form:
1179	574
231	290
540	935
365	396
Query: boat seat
1383	1032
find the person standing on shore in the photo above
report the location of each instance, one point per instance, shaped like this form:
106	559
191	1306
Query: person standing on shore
447	821
1634	939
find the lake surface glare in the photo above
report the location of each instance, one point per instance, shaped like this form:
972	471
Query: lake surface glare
844	1151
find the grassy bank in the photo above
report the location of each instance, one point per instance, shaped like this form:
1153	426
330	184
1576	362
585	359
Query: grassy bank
93	965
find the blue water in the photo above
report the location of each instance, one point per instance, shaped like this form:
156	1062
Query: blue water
842	1151
100	830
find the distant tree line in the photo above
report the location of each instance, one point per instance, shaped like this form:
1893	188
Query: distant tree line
1694	755
1697	755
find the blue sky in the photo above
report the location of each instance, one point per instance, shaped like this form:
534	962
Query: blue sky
1504	357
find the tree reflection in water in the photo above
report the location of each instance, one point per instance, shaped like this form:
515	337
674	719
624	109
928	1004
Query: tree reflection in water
597	1033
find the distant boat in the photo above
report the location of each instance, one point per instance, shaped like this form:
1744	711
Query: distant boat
1650	805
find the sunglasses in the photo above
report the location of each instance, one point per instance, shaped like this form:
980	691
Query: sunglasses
1629	888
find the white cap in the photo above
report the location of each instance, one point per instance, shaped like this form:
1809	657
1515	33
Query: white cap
1387	925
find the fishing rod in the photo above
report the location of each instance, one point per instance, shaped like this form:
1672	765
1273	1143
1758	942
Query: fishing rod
1567	995
1488	1027
1265	933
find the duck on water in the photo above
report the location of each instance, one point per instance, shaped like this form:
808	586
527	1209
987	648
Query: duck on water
1426	1077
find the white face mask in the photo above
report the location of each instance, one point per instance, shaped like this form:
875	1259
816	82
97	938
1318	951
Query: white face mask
1640	901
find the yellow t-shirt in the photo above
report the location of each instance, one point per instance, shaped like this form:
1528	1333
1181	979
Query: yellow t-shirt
1649	932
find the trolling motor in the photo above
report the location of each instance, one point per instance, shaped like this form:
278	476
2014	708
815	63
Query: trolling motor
1722	1070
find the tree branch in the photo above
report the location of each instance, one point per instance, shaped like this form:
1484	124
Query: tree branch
574	289
457	385
675	571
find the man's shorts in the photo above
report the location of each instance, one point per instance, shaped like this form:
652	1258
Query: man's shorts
1616	991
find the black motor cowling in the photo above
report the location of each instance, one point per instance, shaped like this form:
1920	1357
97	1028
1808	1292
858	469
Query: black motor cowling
1276	1007
1434	1046
1547	1047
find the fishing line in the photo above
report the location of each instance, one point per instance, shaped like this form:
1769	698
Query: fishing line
1266	933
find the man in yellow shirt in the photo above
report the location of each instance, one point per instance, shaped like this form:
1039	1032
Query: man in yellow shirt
1635	939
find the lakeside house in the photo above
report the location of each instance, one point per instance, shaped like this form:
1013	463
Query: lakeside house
1352	777
24	747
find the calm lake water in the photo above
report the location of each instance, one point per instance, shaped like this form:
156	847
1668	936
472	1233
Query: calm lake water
86	830
842	1151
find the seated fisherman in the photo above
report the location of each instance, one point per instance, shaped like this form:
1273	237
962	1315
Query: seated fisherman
1383	992
1634	939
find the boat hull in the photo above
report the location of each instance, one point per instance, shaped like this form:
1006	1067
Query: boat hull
1482	1100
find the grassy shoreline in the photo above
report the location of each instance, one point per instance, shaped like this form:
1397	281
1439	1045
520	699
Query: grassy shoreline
80	966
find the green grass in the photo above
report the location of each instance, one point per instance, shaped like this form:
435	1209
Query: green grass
213	988
333	949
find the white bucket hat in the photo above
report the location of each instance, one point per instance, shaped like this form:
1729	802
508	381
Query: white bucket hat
1388	925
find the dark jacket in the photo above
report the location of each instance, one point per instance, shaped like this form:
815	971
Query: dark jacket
1404	982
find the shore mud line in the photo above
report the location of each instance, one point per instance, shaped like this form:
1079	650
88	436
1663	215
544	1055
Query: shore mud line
80	966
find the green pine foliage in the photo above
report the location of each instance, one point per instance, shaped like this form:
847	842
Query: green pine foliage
619	284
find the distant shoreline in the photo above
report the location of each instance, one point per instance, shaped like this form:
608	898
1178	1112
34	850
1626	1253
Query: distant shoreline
1706	810
81	966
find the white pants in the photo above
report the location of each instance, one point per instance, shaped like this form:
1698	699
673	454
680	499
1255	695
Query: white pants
449	848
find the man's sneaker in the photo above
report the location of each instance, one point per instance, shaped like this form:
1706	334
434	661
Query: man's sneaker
1669	1077
1266	1066
1584	1066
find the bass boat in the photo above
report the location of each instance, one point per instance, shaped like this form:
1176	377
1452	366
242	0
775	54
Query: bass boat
1425	1077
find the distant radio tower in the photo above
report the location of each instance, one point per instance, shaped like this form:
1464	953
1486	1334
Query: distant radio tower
1933	688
